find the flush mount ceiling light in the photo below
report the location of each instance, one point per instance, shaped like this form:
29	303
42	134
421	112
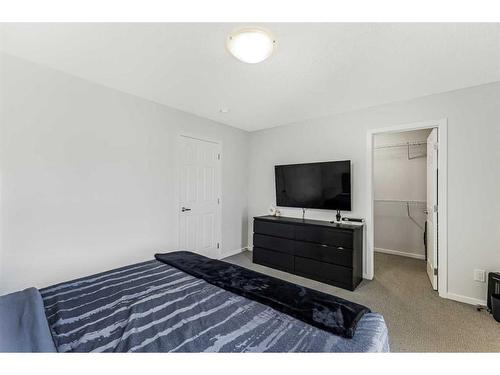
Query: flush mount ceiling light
250	45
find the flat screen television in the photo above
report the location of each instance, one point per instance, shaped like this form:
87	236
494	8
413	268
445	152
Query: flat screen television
324	185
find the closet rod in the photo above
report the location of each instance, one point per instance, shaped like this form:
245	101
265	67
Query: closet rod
406	144
398	201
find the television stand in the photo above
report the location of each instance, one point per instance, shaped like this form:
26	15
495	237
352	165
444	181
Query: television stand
328	252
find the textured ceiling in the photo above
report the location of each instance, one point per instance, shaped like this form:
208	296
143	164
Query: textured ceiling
316	70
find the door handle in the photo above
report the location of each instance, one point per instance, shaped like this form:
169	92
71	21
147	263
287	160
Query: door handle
184	209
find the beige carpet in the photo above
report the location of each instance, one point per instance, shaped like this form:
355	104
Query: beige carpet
417	318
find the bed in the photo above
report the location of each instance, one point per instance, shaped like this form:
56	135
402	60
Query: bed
155	306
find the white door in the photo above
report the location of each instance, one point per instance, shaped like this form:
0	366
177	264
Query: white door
432	208
199	198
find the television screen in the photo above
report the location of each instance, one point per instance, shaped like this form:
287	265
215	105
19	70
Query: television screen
315	185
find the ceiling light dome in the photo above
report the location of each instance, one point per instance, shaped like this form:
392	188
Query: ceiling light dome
250	45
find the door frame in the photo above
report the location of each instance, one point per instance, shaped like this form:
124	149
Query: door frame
442	127
218	230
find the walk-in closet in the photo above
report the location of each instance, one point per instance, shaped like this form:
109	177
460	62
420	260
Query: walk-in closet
404	180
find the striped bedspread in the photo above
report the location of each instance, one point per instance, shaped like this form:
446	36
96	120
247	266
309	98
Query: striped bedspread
154	307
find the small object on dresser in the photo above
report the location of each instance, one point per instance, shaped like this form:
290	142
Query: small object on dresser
353	219
338	215
273	211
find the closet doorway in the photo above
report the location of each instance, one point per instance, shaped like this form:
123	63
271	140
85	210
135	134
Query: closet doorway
407	230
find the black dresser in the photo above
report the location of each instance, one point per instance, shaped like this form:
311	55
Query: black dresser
319	250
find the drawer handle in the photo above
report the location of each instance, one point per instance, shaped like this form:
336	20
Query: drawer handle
338	247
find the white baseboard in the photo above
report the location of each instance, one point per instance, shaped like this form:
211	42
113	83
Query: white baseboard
367	276
233	252
464	299
400	253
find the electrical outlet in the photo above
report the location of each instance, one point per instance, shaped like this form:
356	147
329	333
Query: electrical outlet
480	275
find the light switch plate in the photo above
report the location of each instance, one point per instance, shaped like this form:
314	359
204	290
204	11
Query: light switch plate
480	275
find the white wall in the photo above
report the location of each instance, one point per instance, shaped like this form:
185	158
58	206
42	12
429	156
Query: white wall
87	177
395	177
87	174
473	169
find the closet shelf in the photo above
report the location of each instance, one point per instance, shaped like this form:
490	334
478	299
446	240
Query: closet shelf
408	146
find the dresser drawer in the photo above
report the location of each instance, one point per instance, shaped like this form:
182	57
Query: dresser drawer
273	259
325	272
274	229
282	245
323	253
326	236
